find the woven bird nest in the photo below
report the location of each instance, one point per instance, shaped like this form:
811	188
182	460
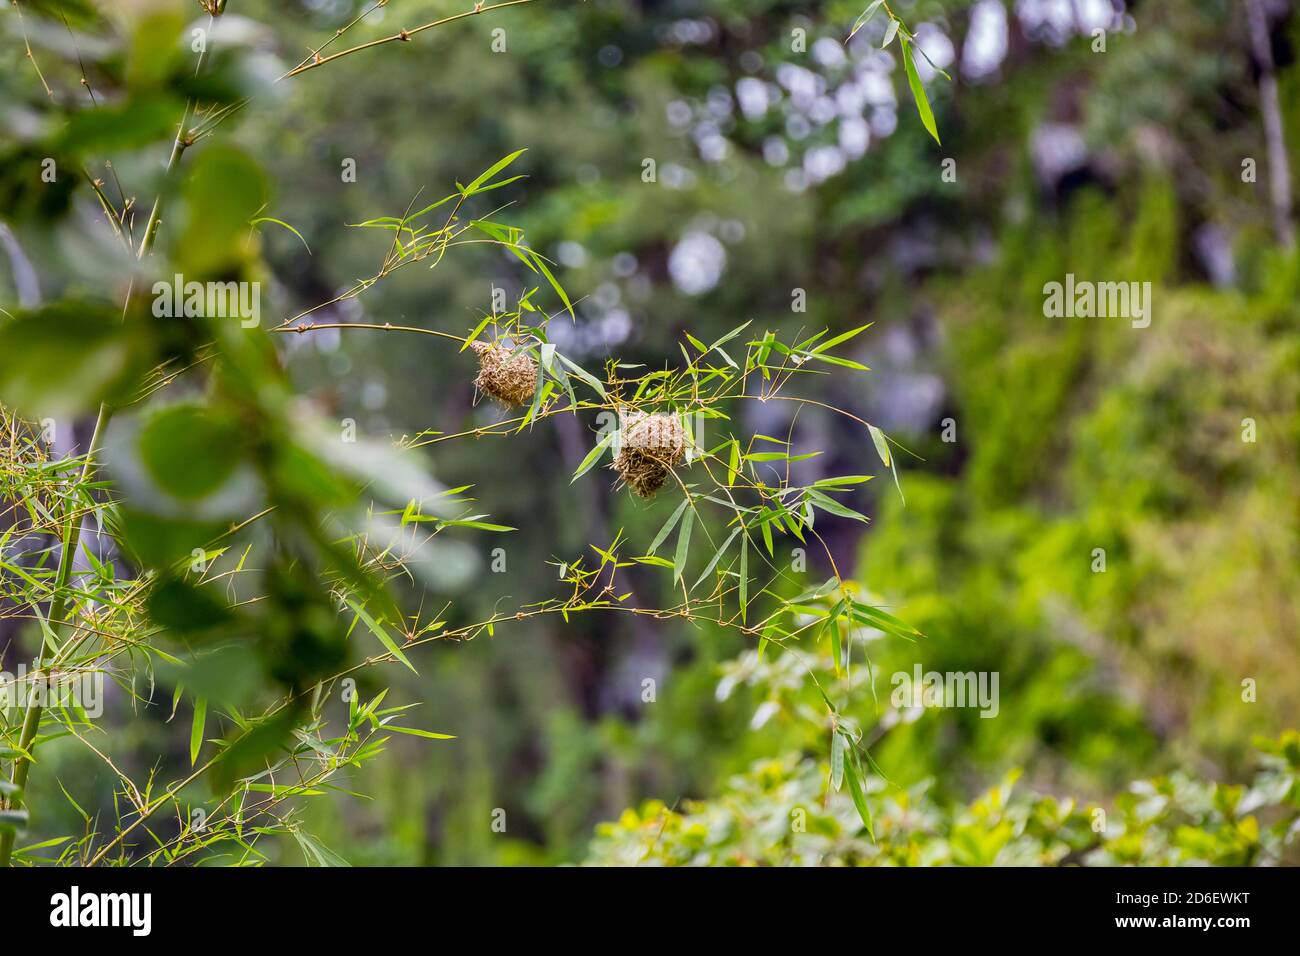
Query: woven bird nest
509	377
650	445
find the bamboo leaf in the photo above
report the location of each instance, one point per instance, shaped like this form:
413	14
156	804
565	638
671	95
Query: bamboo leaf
683	544
865	18
918	92
380	633
744	576
583	374
841	338
716	558
594	456
416	732
890	32
882	446
668	526
490	172
286	226
196	728
852	773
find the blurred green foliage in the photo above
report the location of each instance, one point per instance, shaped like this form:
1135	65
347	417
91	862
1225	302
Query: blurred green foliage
1070	435
780	814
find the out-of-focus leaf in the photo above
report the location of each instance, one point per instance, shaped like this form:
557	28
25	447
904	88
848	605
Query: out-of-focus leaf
132	124
190	450
223	193
66	358
179	606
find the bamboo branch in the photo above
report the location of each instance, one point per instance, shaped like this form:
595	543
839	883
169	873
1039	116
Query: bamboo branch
401	36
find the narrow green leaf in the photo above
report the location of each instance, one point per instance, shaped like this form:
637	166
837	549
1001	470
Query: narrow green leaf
852	774
716	558
475	334
683	544
890	32
584	375
380	633
744	576
316	853
865	18
491	171
918	92
196	728
842	338
882	446
286	226
416	732
594	456
668	526
826	503
559	289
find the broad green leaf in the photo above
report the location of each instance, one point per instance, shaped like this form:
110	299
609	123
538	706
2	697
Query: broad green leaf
190	450
224	191
66	358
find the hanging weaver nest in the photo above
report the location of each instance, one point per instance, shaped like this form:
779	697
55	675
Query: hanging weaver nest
649	446
508	377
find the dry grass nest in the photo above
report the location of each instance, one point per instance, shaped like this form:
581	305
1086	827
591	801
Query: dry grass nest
509	377
650	445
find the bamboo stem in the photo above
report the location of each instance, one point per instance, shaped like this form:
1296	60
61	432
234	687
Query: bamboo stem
58	608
